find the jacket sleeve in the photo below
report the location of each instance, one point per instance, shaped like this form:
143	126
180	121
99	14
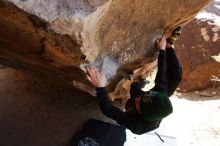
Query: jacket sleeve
106	106
161	81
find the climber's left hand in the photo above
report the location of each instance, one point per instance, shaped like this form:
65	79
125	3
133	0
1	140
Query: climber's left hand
96	77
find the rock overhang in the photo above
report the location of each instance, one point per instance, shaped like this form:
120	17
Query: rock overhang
116	36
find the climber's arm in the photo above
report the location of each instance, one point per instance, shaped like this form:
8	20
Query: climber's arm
98	80
161	76
127	119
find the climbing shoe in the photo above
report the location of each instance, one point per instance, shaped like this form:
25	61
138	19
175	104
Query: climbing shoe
174	36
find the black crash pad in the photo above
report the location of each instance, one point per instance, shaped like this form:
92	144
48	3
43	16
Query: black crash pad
98	133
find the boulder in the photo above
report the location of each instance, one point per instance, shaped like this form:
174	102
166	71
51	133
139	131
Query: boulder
62	37
199	52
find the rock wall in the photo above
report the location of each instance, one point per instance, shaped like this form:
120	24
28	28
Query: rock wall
116	36
27	43
199	50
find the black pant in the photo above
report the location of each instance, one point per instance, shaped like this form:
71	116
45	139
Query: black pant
167	78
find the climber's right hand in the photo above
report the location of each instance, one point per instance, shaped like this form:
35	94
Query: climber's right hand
96	77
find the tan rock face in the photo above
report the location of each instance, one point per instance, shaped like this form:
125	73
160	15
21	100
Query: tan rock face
116	36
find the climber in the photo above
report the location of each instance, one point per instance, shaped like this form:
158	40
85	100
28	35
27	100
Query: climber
144	110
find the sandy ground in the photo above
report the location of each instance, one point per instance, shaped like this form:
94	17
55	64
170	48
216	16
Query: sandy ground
195	121
34	112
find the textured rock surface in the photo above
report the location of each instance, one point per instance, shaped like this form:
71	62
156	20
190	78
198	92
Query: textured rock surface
199	50
28	44
117	36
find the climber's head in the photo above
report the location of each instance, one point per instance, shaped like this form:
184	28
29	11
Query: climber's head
154	106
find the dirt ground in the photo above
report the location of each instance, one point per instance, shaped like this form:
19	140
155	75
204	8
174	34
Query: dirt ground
34	112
